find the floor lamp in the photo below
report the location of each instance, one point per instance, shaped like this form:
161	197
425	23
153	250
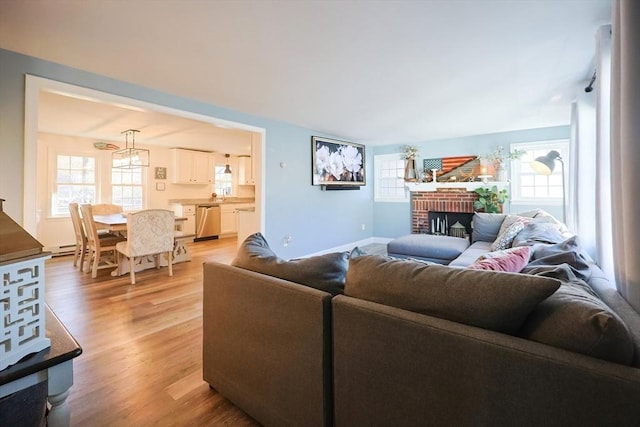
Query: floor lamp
544	165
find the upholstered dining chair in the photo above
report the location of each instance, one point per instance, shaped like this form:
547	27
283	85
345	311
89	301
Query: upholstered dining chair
102	249
149	232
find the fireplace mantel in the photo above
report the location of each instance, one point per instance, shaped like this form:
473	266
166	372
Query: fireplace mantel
469	186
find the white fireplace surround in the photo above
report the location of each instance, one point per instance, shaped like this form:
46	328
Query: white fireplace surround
469	186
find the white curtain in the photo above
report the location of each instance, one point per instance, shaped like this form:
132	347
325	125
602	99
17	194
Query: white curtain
589	188
625	147
581	199
603	208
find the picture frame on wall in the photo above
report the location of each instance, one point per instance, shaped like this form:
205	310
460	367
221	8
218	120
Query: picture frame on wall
161	173
160	186
337	163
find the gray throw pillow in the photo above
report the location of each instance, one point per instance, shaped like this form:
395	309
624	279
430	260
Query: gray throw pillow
574	319
538	232
486	299
486	226
324	272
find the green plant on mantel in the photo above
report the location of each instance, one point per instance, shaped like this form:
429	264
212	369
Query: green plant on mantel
490	199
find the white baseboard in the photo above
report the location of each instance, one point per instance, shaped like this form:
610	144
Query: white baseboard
350	246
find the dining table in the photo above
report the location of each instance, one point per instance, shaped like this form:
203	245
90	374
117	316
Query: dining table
117	224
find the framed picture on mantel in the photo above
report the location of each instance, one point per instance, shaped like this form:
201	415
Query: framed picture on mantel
337	163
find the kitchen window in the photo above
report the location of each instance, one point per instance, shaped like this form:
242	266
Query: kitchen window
223	182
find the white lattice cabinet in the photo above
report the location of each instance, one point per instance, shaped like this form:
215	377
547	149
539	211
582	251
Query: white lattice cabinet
22	309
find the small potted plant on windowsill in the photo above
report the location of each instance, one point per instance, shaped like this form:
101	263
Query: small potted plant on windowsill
490	199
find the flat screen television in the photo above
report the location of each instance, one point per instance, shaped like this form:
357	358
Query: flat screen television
337	163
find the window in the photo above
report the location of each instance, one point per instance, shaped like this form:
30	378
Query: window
389	178
223	182
531	187
75	182
126	188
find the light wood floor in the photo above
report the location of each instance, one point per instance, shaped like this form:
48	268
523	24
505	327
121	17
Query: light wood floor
142	344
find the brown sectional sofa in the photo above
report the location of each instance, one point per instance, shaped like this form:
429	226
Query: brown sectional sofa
292	355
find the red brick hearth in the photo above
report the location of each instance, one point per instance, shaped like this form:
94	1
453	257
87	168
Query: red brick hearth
422	202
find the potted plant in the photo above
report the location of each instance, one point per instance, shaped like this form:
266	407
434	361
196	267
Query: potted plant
490	199
498	159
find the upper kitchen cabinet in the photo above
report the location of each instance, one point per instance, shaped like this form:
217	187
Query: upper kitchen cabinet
245	174
192	167
247	164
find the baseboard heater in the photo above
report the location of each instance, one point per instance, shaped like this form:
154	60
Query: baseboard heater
61	250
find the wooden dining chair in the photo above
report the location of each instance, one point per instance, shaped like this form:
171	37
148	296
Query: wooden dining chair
106	209
81	237
102	249
149	232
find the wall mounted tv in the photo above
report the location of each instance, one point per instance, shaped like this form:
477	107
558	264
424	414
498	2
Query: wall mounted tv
337	164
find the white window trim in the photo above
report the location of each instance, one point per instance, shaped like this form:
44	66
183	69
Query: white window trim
376	184
103	176
52	160
563	145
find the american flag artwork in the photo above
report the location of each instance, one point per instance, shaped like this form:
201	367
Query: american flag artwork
445	165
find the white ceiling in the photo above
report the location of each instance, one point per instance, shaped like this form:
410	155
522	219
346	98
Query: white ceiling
369	71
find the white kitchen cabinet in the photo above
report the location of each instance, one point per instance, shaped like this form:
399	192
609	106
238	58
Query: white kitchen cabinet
229	217
245	170
188	227
228	222
192	167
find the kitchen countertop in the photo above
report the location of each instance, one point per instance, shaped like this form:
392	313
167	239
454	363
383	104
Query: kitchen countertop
218	201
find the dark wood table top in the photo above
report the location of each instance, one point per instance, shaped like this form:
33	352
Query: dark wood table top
63	347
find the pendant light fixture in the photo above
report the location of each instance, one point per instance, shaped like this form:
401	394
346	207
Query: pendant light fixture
227	169
130	157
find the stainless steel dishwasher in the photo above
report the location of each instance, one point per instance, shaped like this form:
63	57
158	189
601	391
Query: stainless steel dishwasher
207	222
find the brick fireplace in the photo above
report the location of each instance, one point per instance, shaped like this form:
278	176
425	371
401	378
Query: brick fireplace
443	206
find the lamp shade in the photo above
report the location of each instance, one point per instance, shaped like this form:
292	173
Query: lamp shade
227	169
544	165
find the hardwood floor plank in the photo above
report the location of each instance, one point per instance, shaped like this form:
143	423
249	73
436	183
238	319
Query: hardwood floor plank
142	344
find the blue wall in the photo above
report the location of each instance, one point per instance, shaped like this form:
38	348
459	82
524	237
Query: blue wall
315	219
394	219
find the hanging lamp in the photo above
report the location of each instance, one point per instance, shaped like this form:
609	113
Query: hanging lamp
130	157
227	169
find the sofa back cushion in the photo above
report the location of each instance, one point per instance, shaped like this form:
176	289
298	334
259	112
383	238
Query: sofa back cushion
486	226
575	319
487	299
324	272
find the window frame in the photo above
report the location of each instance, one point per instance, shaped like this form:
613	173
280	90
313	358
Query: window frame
560	145
103	177
52	188
142	185
217	181
378	163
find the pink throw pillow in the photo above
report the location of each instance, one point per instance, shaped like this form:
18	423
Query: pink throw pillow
512	261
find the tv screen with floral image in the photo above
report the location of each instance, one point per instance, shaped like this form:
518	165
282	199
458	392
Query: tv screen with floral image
337	163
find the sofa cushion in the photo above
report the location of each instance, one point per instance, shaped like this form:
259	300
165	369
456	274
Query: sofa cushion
512	260
538	231
487	299
511	226
575	319
324	272
485	226
429	247
471	254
